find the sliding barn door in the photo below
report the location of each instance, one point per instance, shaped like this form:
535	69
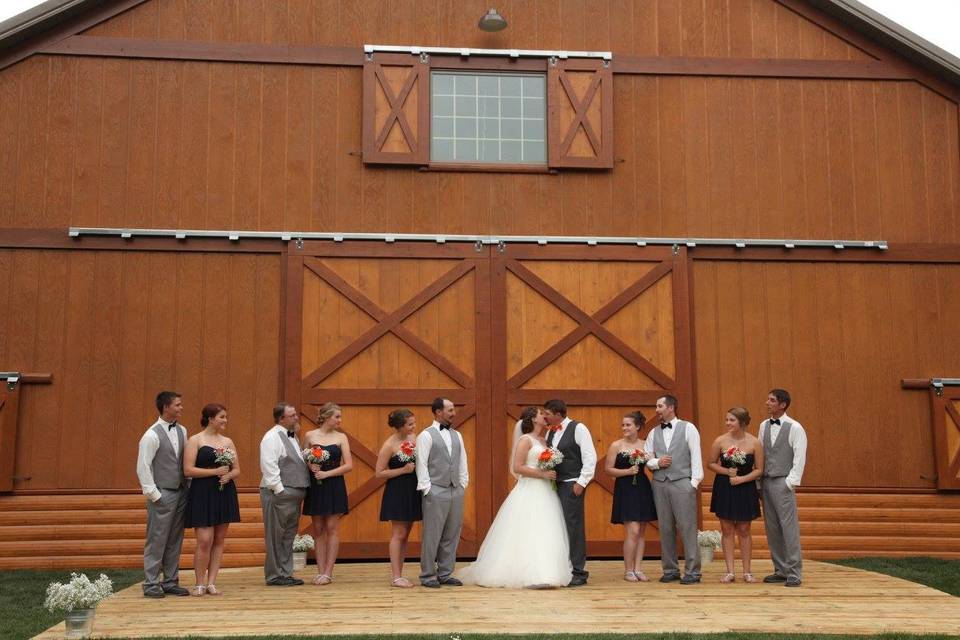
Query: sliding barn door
374	327
607	330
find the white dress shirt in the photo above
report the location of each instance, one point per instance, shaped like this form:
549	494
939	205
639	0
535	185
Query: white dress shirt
425	444
797	440
271	450
149	444
588	453
693	444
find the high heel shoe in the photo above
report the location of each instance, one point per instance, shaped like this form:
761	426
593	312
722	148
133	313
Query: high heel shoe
727	578
213	591
198	590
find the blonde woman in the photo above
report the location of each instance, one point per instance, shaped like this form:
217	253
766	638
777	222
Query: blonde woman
326	499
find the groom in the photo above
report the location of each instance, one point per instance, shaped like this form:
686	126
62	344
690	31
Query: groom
574	473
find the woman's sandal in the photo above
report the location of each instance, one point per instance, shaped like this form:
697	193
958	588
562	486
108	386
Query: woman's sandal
198	590
641	576
748	577
630	576
401	582
322	580
213	591
727	578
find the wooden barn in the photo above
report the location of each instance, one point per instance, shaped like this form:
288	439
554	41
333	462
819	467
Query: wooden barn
376	202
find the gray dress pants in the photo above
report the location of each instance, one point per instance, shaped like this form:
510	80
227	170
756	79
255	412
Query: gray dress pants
677	505
281	517
783	527
442	521
161	549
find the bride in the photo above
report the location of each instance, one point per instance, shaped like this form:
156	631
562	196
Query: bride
526	545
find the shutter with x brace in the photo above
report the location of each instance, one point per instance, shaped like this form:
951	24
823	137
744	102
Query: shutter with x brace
396	109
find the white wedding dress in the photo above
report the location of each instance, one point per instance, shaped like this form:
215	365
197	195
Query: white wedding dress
527	542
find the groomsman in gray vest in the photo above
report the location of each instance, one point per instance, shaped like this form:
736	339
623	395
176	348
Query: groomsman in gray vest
282	488
574	473
160	470
675	458
785	454
442	477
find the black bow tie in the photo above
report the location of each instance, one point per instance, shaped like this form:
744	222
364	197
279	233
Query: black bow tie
774	421
290	434
444	426
171	426
666	425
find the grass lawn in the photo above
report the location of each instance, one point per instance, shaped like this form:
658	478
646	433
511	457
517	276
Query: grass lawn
943	575
22	615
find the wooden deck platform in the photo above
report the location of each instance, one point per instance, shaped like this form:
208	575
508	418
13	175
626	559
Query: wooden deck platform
833	599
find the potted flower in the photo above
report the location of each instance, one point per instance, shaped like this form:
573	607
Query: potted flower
79	599
301	545
708	541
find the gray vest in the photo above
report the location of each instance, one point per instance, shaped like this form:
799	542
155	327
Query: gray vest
777	456
293	470
168	464
679	452
443	465
572	463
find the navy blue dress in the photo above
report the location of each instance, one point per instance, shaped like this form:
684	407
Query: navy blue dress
328	497
207	505
739	503
401	500
631	502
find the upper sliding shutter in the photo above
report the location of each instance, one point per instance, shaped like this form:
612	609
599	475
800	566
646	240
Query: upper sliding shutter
396	109
580	113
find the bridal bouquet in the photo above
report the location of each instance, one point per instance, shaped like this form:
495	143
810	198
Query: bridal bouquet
734	456
407	452
548	459
224	457
79	593
637	458
316	455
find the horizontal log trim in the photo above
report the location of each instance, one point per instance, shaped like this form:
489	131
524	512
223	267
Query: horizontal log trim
206	51
760	68
101	46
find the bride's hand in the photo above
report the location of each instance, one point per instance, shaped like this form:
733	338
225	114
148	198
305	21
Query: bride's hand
410	467
635	469
549	475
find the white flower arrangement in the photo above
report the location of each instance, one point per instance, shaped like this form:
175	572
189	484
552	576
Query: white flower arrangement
79	593
303	543
709	539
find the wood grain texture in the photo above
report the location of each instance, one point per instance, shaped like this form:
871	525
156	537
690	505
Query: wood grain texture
361	600
816	330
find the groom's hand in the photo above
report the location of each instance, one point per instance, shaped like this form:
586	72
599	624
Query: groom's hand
577	489
665	461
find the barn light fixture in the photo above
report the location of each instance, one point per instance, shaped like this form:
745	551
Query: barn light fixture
492	21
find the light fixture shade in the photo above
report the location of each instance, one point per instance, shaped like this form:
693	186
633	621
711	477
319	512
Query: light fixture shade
492	21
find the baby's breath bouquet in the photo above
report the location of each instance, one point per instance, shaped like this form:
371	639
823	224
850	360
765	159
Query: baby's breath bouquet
79	593
709	539
303	543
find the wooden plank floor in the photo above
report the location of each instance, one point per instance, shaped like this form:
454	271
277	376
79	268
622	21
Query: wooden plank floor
833	600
